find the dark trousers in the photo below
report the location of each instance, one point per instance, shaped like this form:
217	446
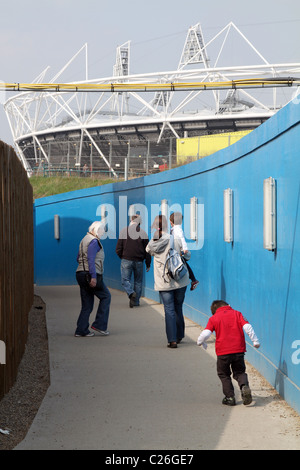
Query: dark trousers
174	320
191	273
231	364
88	295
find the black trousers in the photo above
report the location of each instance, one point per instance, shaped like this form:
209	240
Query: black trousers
191	272
232	364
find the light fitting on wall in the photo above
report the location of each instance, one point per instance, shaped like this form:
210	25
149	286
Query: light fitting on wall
103	212
164	208
193	218
131	210
56	227
270	214
228	215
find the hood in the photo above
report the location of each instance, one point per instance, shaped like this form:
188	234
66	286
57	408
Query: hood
159	246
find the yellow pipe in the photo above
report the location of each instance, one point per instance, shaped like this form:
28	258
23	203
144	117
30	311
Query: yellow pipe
119	87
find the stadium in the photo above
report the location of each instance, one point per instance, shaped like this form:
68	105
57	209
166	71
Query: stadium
134	130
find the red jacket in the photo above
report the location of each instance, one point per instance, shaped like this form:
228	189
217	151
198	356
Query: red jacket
228	325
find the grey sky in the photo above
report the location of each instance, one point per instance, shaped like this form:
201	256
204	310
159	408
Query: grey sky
35	34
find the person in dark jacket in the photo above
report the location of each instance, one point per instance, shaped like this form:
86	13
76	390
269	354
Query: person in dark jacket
131	249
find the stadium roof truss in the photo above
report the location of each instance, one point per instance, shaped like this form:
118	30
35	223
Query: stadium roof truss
39	115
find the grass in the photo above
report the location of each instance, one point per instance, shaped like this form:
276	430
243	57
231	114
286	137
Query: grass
48	186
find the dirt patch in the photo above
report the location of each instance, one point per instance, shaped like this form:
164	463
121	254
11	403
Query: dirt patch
20	405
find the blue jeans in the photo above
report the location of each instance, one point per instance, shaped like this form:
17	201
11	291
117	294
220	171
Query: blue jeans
135	268
87	295
173	301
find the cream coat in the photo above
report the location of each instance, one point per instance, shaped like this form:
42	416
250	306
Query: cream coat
83	264
159	250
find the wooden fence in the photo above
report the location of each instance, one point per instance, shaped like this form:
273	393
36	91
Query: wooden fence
16	264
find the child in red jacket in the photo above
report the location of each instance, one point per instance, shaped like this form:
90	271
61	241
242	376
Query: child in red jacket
229	326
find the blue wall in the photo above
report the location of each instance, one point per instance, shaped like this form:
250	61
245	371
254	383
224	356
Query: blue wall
264	285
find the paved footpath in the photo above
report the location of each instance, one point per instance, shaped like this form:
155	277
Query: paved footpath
128	391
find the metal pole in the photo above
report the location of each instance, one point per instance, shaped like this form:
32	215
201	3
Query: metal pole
91	161
128	156
110	157
126	169
147	159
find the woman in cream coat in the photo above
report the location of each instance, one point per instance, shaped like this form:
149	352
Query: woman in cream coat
173	292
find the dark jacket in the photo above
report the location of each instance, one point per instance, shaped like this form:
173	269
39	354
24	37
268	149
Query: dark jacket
132	243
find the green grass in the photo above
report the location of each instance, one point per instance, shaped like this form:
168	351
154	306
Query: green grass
48	186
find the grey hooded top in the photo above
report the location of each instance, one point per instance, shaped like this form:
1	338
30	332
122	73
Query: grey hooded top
159	250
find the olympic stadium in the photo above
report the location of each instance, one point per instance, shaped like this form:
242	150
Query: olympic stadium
135	127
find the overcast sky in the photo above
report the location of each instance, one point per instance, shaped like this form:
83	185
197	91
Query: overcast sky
35	34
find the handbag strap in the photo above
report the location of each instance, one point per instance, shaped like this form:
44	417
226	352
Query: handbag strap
171	241
81	246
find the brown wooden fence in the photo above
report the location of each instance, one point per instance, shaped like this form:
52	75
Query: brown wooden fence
16	264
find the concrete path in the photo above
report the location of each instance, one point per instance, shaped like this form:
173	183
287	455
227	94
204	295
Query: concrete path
128	391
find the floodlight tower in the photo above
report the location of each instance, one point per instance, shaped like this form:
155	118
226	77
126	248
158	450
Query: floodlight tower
121	69
194	51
